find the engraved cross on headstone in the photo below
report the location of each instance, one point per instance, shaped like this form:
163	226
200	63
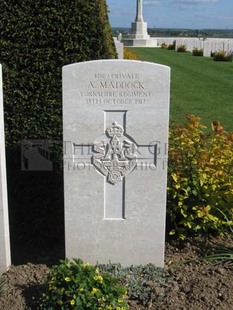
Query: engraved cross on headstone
115	155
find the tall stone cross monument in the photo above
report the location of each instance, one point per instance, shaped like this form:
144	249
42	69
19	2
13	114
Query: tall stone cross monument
139	17
139	27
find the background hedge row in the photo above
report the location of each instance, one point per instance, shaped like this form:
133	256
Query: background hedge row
37	38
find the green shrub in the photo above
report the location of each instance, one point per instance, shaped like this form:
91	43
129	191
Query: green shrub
223	56
79	286
181	48
164	45
200	192
172	46
37	38
197	52
131	55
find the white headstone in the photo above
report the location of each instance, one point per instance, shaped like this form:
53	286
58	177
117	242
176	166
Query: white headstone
115	122
190	44
119	37
119	48
207	49
5	259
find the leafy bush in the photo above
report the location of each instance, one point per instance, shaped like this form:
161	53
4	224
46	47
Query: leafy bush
172	46
200	192
79	286
37	38
181	48
197	52
131	55
223	56
164	45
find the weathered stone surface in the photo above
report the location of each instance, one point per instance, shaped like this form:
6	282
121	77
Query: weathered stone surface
115	118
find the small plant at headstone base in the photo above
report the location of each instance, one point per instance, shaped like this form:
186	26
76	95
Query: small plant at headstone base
200	193
197	52
172	46
223	254
164	45
143	283
131	55
181	48
223	56
80	286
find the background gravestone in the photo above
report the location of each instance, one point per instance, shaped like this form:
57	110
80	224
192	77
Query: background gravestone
115	129
5	260
119	48
207	49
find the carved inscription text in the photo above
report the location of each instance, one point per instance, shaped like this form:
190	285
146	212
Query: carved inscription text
116	88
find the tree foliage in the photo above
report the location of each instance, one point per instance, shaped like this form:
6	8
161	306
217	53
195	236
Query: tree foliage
37	39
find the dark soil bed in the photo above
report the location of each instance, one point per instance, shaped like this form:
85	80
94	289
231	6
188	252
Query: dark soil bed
195	285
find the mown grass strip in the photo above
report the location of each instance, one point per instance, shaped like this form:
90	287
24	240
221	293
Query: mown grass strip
199	85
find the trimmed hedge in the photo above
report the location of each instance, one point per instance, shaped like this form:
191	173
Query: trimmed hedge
37	39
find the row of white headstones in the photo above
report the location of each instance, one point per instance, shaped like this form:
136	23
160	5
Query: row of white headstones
209	45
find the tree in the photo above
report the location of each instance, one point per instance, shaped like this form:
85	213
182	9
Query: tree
37	38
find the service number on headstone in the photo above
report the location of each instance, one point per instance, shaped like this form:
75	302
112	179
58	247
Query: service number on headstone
115	120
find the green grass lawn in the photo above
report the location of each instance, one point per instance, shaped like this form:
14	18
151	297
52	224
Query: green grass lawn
199	85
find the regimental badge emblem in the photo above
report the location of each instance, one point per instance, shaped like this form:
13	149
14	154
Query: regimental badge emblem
114	154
